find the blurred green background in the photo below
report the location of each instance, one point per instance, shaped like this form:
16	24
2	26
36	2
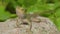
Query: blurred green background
46	8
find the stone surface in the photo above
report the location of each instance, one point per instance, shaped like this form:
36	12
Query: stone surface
38	25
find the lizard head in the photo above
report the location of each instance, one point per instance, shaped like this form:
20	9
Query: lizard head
20	11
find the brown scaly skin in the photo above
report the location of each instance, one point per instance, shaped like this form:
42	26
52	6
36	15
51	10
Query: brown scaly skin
24	19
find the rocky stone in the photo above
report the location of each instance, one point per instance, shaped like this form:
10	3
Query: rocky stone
38	25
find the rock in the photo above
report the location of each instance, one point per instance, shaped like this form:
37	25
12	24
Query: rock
45	26
38	25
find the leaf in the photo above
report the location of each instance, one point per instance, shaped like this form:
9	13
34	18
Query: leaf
3	14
